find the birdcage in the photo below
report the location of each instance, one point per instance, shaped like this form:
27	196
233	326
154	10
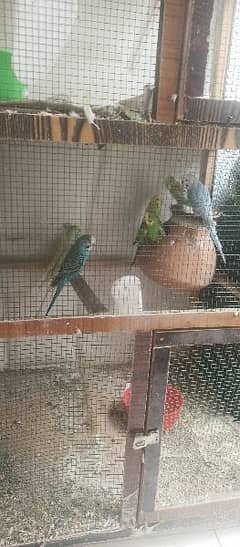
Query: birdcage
119	313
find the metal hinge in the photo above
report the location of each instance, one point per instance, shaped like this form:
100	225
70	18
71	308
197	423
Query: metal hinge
142	440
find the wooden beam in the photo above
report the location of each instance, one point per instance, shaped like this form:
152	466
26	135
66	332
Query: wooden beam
198	47
170	59
212	111
196	337
155	415
124	323
185	59
136	422
200	515
39	128
207	168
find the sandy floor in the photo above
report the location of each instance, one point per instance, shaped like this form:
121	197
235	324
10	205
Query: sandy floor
62	454
200	458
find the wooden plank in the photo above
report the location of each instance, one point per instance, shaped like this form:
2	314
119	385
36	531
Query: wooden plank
89	538
224	512
155	413
185	59
170	58
207	167
198	48
41	128
136	421
212	111
120	323
196	337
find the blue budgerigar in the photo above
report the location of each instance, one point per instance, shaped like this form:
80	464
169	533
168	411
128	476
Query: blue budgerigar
74	261
201	203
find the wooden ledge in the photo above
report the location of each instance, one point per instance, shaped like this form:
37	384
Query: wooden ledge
120	323
57	128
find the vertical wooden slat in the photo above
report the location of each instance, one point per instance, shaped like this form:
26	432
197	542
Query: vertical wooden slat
207	167
155	413
136	422
199	46
170	58
223	16
185	58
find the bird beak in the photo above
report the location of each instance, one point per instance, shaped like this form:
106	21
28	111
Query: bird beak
93	241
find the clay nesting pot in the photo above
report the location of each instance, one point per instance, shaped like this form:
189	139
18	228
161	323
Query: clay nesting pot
184	259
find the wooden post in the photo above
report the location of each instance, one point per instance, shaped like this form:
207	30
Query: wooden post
136	422
170	59
155	413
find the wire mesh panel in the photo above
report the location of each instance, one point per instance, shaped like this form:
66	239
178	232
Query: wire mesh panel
223	291
223	67
52	194
221	70
62	444
104	51
200	447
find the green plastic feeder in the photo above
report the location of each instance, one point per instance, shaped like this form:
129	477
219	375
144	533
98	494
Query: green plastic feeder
10	87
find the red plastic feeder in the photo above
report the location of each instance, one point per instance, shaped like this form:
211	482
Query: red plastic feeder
174	402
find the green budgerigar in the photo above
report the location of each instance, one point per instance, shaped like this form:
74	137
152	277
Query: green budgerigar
178	191
150	229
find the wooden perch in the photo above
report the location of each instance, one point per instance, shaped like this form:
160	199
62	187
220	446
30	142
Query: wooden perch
87	296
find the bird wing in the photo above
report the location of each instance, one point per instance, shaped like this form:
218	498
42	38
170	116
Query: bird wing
72	263
200	201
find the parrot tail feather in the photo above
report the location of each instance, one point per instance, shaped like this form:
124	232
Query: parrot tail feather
216	241
56	294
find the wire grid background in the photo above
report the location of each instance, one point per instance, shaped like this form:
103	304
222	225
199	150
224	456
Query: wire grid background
66	50
104	192
223	49
200	455
62	446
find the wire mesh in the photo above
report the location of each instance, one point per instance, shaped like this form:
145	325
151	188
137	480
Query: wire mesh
62	446
68	50
45	187
223	66
200	455
233	67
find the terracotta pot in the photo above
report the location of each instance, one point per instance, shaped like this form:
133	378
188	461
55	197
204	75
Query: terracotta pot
184	259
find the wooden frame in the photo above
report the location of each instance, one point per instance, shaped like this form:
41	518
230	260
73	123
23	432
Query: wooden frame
169	60
201	16
59	129
192	105
136	423
212	111
178	516
154	420
120	323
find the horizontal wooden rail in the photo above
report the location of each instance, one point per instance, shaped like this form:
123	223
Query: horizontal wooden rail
212	111
124	323
57	128
201	515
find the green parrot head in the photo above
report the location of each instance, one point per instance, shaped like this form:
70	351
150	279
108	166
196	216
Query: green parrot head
154	204
148	218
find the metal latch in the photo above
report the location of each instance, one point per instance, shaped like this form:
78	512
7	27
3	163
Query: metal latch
142	440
